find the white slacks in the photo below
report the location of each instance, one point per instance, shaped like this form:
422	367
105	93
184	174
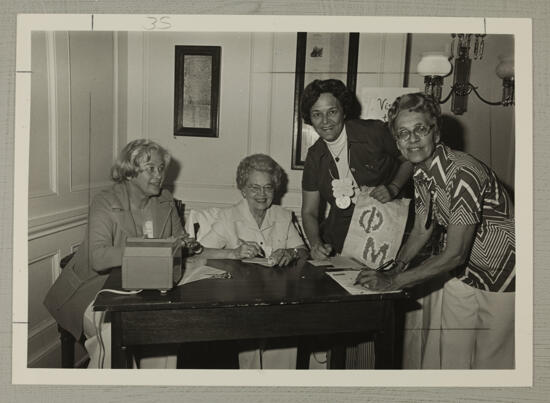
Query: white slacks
477	328
93	347
272	358
422	333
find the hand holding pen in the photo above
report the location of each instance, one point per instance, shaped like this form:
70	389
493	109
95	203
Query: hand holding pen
376	279
248	249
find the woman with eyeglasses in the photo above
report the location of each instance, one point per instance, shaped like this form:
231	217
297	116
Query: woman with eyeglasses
464	196
135	205
255	227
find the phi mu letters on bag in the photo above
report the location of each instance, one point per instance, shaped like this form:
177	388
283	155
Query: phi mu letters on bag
376	230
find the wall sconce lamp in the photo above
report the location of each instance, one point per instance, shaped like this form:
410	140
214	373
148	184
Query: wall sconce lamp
434	66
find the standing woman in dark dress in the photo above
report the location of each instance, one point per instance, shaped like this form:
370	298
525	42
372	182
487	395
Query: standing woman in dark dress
359	152
355	153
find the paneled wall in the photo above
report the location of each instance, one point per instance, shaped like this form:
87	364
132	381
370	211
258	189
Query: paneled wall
73	137
203	168
256	108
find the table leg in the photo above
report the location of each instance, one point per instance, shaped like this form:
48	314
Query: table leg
304	351
119	352
384	342
337	353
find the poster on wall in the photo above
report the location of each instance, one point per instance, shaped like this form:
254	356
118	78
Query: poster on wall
377	100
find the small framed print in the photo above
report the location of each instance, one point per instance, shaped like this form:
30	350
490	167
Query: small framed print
197	91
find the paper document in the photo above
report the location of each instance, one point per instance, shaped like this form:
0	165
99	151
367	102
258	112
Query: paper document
320	263
264	261
200	273
346	279
338	262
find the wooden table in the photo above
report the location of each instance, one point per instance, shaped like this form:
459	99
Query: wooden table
256	302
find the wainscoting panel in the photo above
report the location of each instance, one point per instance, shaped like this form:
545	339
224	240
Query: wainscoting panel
46	249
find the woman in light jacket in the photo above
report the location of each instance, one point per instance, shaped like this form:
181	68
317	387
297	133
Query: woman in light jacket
134	206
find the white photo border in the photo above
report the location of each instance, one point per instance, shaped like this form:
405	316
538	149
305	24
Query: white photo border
521	28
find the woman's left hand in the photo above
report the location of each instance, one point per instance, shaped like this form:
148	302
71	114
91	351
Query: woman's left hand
282	257
375	280
382	194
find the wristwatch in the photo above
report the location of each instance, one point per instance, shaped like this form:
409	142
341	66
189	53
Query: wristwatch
193	246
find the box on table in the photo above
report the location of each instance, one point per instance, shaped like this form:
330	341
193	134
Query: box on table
151	264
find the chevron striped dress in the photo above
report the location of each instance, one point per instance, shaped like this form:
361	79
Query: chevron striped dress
459	189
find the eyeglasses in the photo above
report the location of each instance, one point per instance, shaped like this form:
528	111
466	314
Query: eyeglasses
152	169
257	189
419	130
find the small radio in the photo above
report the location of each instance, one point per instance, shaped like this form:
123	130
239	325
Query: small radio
151	264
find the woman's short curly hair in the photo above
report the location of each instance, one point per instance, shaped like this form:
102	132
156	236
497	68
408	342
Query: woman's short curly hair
261	163
133	155
415	102
347	99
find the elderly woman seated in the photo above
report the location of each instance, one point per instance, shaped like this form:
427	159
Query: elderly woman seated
256	227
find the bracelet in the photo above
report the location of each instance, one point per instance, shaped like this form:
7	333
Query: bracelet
397	262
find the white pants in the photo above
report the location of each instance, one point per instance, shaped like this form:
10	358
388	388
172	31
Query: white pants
93	347
273	358
477	328
422	333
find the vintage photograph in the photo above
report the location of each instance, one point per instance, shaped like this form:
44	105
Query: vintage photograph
250	200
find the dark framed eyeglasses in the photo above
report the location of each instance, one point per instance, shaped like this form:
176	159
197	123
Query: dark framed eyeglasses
419	131
257	189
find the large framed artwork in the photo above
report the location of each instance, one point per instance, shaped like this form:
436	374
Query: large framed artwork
197	91
320	55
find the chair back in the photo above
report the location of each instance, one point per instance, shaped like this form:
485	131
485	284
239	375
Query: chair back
200	222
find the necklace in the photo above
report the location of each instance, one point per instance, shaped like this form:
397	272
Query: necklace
343	190
337	155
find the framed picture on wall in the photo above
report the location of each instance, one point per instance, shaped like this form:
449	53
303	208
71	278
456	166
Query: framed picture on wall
320	56
197	91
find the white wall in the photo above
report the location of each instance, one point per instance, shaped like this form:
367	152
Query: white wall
488	131
256	106
73	137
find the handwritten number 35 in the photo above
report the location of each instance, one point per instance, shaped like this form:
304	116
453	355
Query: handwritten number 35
158	23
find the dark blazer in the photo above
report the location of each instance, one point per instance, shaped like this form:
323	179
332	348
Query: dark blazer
373	160
109	224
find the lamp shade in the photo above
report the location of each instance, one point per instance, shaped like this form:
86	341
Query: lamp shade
505	68
434	64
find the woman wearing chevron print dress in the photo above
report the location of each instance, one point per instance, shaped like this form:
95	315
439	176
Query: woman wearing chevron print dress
464	196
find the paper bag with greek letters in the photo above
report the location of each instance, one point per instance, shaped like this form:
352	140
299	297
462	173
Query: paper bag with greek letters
376	230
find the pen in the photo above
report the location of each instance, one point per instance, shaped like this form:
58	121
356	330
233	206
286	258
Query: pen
379	268
387	264
262	251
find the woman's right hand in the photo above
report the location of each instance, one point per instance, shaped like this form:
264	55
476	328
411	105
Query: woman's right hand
321	251
247	250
